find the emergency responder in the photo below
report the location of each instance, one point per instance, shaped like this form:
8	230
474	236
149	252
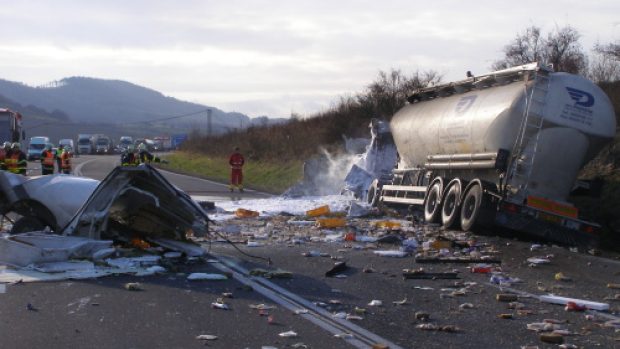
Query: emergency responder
130	157
47	160
236	162
65	160
5	152
16	162
145	156
57	157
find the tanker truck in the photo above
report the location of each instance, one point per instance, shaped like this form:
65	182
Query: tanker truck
501	149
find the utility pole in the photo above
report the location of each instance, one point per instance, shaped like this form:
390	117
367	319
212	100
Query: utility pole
209	125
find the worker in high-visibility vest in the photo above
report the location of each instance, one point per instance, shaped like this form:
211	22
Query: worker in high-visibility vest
17	162
47	160
130	156
65	161
145	155
5	152
236	162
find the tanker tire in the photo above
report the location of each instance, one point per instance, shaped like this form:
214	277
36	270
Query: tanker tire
432	204
374	193
27	224
451	207
470	208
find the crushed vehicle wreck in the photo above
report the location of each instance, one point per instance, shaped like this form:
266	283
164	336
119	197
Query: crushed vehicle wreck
138	202
131	204
45	201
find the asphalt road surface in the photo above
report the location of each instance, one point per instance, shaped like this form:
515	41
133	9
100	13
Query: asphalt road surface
171	311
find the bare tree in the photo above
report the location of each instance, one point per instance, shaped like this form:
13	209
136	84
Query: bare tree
561	48
604	68
611	50
389	92
564	51
525	48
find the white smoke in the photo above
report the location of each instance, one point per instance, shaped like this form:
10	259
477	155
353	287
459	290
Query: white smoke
330	174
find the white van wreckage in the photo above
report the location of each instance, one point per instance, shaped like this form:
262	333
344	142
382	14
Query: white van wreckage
130	203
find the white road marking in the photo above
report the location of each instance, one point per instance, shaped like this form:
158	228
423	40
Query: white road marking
361	338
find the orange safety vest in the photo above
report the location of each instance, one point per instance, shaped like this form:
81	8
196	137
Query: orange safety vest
65	163
12	163
48	159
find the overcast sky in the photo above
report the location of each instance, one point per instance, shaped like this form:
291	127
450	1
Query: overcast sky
274	57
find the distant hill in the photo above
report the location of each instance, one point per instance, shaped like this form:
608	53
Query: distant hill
90	100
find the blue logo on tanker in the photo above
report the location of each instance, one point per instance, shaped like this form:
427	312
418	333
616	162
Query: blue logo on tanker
465	103
581	98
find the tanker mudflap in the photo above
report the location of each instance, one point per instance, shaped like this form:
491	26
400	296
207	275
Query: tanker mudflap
548	230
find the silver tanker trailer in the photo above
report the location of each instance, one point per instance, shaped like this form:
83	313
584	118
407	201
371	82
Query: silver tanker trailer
501	149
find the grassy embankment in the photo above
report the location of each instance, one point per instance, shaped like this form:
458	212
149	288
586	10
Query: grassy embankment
266	176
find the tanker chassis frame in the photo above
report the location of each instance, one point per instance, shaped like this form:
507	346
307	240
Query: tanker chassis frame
481	205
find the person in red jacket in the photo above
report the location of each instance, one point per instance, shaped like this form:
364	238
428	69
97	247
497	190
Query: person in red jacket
236	162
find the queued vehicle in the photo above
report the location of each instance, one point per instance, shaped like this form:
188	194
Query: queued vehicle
11	126
103	145
67	144
35	147
85	144
124	142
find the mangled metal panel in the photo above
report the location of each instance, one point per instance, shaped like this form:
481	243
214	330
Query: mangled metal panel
138	202
52	199
25	249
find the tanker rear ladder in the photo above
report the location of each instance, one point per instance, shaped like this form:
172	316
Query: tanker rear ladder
526	143
402	193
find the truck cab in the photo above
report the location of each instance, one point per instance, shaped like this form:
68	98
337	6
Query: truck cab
84	144
36	147
103	146
10	126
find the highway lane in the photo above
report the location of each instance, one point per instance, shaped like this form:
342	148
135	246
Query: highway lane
98	166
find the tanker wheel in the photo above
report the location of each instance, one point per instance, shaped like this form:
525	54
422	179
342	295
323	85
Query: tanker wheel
374	193
451	207
432	204
27	224
470	208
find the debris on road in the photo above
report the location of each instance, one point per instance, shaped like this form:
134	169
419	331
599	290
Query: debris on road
375	303
421	274
206	337
288	334
506	297
390	253
578	302
434	327
337	268
206	276
553	338
220	304
133	286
